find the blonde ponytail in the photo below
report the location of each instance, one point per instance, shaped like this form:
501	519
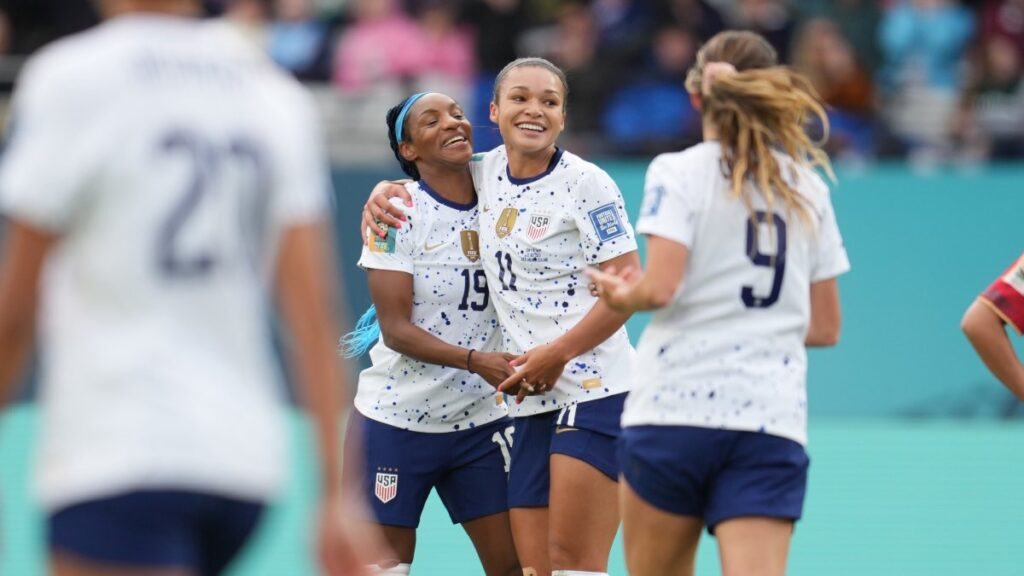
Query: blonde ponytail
760	108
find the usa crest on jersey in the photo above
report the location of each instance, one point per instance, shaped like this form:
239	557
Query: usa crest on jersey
386	486
538	226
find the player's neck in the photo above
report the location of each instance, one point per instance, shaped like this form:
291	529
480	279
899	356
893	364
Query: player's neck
523	166
454	185
710	130
115	8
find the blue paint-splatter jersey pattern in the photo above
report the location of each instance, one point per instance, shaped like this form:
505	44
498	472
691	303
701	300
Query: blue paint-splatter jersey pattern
439	246
728	351
537	236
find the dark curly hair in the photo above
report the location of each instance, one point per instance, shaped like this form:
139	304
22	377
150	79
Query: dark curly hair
407	166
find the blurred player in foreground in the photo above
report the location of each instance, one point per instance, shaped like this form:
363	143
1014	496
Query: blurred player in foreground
159	177
743	254
985	323
427	408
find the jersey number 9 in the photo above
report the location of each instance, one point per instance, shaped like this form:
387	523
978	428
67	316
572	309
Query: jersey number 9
777	261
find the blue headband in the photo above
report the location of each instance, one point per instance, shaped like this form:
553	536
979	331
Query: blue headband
405	110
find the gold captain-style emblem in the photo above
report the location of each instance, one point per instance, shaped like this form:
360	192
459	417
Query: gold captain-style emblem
470	244
506	222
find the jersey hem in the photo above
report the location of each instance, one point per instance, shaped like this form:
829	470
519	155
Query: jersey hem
464	424
800	439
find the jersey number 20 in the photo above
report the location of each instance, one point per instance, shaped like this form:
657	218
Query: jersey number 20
777	261
210	164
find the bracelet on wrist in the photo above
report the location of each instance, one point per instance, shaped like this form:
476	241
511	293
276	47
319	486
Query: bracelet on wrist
469	360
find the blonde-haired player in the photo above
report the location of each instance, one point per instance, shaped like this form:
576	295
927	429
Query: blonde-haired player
161	176
743	256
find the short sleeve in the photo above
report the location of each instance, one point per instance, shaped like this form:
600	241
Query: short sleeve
53	145
397	250
302	185
830	260
600	215
1006	296
671	207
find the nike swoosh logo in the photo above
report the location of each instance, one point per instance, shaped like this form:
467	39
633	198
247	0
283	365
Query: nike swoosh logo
429	248
561	429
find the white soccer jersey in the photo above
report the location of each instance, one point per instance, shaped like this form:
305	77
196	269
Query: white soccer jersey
170	156
728	352
439	246
537	236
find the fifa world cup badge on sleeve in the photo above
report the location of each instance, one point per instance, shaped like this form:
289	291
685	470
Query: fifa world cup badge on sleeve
606	222
385	245
386	486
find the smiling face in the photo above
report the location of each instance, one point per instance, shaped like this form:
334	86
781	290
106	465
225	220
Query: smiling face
529	109
439	133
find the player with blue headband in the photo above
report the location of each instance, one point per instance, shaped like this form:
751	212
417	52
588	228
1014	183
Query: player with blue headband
428	414
546	216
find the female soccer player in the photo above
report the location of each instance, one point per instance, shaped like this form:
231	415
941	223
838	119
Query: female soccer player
160	173
545	215
985	322
428	411
743	257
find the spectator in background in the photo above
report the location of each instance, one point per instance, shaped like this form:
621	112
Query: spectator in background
33	23
991	121
1005	19
698	17
498	23
923	43
447	63
299	41
382	45
624	30
574	48
769	18
824	55
857	20
653	113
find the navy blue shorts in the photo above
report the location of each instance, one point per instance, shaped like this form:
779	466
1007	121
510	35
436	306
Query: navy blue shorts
587	431
468	468
156	529
715	474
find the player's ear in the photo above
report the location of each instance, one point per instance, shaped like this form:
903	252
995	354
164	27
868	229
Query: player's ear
494	112
695	101
408	151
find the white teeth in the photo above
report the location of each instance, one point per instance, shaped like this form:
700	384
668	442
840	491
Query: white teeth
454	140
532	127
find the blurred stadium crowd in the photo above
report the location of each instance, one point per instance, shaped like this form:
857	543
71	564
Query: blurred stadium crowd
934	81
